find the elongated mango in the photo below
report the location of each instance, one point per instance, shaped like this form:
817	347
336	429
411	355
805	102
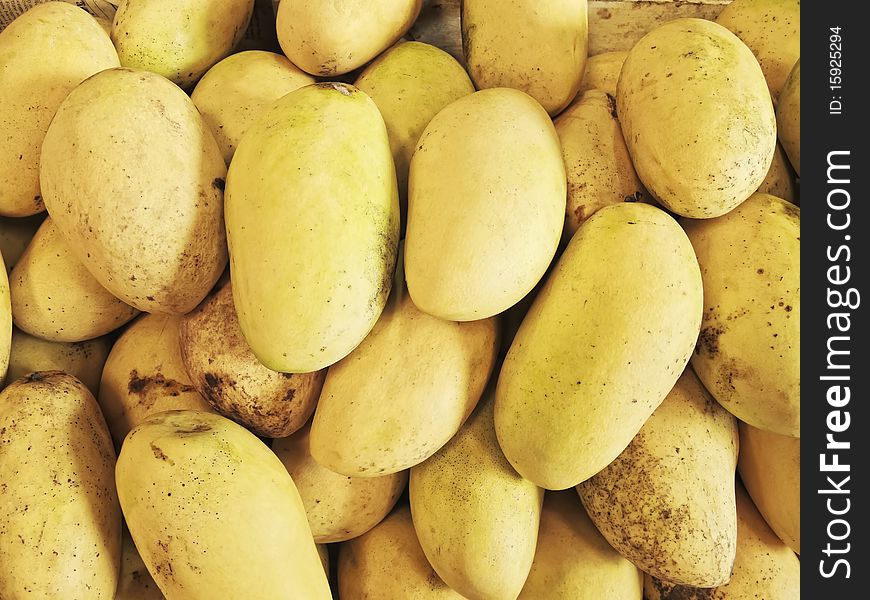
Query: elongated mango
604	342
214	513
312	214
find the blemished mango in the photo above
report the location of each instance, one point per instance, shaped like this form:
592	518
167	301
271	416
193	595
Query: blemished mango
214	513
697	117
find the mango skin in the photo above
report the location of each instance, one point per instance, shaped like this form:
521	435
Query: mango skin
573	561
602	345
223	369
303	304
537	48
144	374
597	163
387	563
56	298
238	89
179	40
503	203
763	568
82	360
333	38
788	117
44	54
769	467
133	179
214	513
748	352
60	523
772	30
602	72
134	582
667	502
476	518
698	82
338	508
411	82
432	371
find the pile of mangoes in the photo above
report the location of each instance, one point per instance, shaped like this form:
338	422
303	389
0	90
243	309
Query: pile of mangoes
328	323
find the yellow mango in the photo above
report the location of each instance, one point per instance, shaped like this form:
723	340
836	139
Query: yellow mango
332	38
769	467
60	523
44	54
134	181
387	563
667	502
597	163
573	561
697	117
748	352
486	205
772	30
411	82
214	513
602	72
238	89
339	508
134	582
179	40
56	298
476	518
604	342
538	48
403	392
314	171
82	360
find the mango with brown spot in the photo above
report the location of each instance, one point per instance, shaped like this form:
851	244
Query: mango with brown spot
144	374
60	523
667	502
214	513
226	372
748	353
764	567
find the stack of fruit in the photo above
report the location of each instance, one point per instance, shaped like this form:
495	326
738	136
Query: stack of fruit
336	303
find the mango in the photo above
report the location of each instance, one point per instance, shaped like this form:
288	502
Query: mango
133	179
697	117
45	53
56	298
667	502
82	360
313	171
214	513
179	40
748	352
486	205
603	343
333	38
538	48
476	518
788	117
60	523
